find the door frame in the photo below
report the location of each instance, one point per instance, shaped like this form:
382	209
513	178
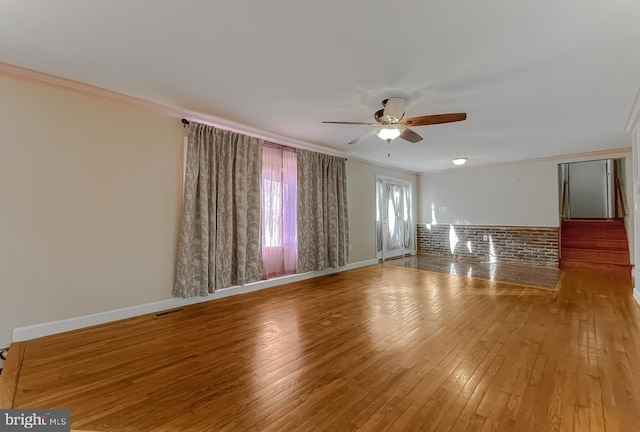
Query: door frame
380	254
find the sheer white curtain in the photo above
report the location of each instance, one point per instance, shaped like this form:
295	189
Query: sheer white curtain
278	195
395	220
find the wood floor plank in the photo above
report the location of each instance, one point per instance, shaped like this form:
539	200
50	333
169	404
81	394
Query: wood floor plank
11	375
382	348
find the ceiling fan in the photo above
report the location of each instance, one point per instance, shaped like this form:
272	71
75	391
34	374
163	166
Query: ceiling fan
391	125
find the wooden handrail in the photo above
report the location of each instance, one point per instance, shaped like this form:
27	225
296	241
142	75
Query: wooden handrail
565	210
620	194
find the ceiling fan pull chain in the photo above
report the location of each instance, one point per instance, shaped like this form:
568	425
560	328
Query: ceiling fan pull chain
388	148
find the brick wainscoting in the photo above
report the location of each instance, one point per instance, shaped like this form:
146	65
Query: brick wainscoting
536	246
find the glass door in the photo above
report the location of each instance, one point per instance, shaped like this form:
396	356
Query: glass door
394	224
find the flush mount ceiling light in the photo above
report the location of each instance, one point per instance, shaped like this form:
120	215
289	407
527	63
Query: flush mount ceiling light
390	131
460	161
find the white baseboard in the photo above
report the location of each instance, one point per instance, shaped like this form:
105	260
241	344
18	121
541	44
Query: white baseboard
54	327
636	295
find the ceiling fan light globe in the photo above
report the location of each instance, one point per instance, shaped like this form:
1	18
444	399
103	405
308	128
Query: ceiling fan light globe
389	132
460	161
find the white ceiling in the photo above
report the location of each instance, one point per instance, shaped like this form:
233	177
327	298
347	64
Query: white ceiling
537	78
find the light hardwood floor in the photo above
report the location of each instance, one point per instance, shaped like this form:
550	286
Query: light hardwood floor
379	348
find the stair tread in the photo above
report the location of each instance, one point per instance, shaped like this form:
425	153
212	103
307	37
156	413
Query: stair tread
590	235
562	260
595	244
593	220
620	236
615	268
622	242
593	228
598	244
615	251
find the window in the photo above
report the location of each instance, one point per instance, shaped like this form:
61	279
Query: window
278	201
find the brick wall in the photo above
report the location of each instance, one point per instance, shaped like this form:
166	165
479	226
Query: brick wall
536	246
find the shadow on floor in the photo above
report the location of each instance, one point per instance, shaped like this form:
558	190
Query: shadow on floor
539	277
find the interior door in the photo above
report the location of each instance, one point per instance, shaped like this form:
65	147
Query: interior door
394	225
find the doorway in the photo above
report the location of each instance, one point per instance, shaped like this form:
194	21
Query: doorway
590	190
394	221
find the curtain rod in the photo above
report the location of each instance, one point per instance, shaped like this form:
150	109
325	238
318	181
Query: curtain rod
186	123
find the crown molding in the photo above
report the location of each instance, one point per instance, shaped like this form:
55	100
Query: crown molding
24	74
19	73
573	157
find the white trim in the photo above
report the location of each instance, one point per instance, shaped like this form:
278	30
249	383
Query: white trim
413	192
636	295
634	114
379	164
30	75
259	133
616	153
54	327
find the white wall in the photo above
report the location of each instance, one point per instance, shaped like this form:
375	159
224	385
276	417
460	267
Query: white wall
361	193
523	194
626	176
634	202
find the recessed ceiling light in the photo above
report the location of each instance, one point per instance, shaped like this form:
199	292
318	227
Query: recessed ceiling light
460	161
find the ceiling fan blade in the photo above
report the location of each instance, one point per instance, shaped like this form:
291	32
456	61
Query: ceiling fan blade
411	136
394	108
434	119
362	137
350	123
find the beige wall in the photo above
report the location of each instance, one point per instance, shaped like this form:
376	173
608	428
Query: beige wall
90	194
89	204
361	193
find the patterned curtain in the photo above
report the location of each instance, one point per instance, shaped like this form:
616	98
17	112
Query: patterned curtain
323	228
219	241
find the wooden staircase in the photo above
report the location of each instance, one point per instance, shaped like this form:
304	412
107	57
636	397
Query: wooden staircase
595	244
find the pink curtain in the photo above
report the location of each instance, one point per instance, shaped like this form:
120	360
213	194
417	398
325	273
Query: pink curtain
278	195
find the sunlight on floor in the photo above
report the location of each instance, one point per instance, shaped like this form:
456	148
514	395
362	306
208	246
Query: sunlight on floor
541	277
